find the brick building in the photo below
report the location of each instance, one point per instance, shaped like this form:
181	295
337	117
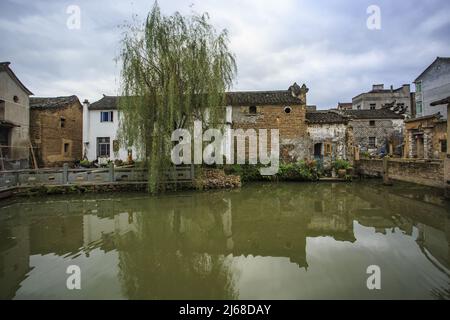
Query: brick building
56	127
284	110
330	136
377	130
426	137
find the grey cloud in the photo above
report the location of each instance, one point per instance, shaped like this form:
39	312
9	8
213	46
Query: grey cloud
323	43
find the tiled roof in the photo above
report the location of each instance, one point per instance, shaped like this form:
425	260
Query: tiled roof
261	98
372	114
325	116
237	98
105	103
436	116
440	102
51	102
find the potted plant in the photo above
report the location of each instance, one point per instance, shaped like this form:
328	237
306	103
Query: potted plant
341	167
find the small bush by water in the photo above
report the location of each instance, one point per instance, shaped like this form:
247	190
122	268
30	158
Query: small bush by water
298	171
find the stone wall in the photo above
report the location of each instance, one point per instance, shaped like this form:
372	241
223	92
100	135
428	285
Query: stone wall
384	130
49	137
217	179
294	143
338	136
425	172
431	132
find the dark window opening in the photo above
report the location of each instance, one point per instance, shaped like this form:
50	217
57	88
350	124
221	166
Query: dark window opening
252	110
103	147
63	122
66	148
373	106
318	150
372	123
16	99
106	116
443	145
287	109
372	142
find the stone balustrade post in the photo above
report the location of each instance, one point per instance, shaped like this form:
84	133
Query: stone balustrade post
65	177
111	172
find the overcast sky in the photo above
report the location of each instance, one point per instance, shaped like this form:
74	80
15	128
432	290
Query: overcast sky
324	44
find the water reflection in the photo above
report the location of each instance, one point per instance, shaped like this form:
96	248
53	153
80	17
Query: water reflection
263	241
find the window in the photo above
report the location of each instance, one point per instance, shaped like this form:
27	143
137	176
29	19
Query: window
328	149
418	107
373	106
372	142
443	145
62	122
287	109
66	148
418	86
106	116
16	99
372	123
358	107
103	147
252	110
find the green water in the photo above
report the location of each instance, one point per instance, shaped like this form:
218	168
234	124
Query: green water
264	241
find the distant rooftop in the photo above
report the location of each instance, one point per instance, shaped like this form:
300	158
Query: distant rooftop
373	114
236	98
52	102
325	117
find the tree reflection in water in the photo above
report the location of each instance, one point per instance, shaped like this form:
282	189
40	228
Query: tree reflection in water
213	245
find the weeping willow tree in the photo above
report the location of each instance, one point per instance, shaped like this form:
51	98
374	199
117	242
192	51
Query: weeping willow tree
175	69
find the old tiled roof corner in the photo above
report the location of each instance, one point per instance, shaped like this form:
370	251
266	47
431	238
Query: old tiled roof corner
325	117
373	114
260	98
105	103
52	102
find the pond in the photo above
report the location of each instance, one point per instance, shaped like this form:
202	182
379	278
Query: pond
263	241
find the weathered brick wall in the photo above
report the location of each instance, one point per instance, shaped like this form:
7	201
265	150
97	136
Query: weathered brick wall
294	142
49	137
429	173
384	129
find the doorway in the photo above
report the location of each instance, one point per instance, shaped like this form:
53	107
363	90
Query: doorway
419	147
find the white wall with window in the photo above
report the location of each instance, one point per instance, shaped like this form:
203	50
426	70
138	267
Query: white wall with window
100	136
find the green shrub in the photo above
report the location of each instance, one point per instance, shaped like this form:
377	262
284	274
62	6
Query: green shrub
85	163
299	171
247	172
341	164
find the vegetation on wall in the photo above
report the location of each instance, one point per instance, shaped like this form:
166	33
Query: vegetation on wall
297	171
175	69
341	164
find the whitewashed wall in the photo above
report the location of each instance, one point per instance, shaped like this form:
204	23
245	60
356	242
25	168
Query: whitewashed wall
94	128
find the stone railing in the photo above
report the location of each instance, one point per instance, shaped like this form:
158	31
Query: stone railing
67	176
420	171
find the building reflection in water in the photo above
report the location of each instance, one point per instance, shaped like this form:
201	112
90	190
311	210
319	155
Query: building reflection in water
214	244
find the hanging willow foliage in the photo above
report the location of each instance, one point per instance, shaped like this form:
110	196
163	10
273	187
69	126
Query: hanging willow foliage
175	69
